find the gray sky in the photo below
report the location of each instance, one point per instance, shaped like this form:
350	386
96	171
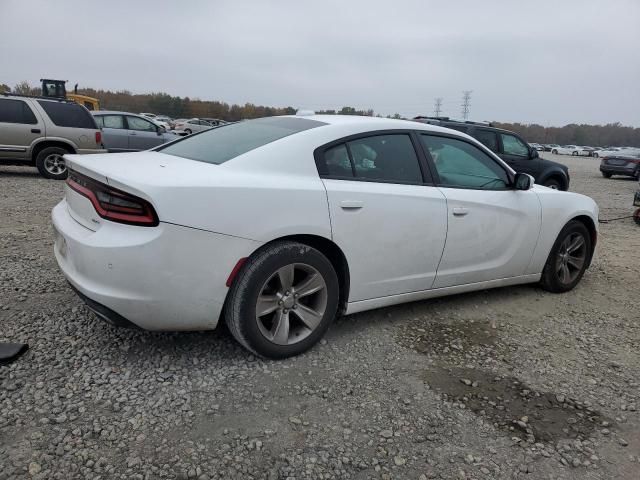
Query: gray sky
549	62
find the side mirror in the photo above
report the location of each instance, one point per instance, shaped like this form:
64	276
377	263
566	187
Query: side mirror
533	153
523	181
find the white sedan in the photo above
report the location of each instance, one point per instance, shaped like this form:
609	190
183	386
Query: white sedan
277	225
567	150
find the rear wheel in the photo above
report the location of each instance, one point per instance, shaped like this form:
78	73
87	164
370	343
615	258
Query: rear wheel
595	154
636	216
51	164
575	154
188	131
554	151
606	174
568	258
283	300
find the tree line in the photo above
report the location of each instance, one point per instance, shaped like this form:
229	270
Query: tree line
612	134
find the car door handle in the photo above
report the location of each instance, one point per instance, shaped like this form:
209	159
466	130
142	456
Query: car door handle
35	130
460	211
133	133
351	204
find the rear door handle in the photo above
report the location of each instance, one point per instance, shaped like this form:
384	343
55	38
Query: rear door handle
35	130
351	204
460	211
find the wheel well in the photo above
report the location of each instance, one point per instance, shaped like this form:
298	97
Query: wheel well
556	176
591	226
46	144
335	256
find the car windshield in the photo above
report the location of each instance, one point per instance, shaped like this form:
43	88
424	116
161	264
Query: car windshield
223	143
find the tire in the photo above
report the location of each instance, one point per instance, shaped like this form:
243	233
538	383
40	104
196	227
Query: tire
636	216
188	131
553	183
261	277
595	154
636	174
575	154
553	280
606	174
50	163
554	151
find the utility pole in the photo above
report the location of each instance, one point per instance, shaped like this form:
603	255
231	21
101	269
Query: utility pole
437	107
466	98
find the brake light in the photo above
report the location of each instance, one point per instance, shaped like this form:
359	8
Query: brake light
98	138
113	204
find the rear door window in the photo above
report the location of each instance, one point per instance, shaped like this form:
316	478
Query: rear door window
488	138
113	121
16	111
218	145
65	114
137	123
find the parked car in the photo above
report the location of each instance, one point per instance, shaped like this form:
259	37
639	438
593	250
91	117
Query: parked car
566	150
550	146
376	212
38	131
606	152
537	146
216	122
148	115
192	125
128	132
627	164
512	149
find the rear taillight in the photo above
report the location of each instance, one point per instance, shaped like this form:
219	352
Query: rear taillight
113	204
98	138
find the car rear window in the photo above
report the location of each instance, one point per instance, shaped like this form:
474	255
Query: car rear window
223	143
68	114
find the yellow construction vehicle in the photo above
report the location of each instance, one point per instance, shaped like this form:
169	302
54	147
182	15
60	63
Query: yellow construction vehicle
57	89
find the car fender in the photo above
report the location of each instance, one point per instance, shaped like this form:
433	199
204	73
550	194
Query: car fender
41	140
558	209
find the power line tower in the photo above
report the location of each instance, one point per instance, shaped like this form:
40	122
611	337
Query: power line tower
466	98
437	107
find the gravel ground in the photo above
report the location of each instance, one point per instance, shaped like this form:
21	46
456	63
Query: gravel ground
507	383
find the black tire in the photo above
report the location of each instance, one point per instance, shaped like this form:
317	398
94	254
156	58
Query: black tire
636	174
188	131
550	280
575	154
554	151
606	174
636	216
240	307
553	183
43	161
595	154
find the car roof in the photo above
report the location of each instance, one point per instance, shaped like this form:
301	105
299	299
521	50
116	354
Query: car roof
374	123
114	112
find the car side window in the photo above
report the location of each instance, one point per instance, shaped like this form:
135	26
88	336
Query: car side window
389	158
136	123
512	145
462	165
16	111
488	138
337	162
99	120
113	121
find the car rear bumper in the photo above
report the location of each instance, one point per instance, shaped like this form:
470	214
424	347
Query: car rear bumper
629	169
90	151
167	277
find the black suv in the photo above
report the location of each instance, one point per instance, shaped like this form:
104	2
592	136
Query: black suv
511	148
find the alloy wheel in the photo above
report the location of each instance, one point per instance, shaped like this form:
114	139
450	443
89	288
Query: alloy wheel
291	304
571	258
55	164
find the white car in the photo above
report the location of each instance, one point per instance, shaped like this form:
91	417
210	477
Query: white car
277	225
606	152
567	150
192	125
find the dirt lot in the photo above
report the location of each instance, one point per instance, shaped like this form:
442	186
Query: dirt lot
508	383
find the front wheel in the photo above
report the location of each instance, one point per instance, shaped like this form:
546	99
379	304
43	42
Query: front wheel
606	174
283	300
553	183
575	154
188	131
595	154
555	152
568	258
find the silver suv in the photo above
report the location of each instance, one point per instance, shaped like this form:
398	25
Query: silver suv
38	131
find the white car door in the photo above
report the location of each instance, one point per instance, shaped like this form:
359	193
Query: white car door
492	228
389	222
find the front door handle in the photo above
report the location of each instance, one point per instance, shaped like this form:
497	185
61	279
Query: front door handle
133	133
460	211
35	130
351	204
